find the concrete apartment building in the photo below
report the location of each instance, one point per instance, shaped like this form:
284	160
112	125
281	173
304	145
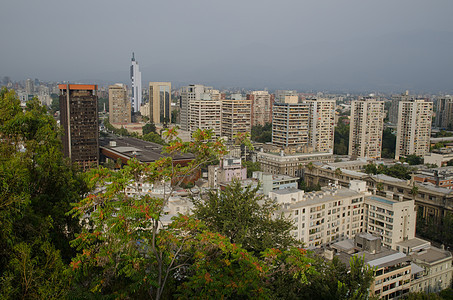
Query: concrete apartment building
432	269
366	127
191	93
392	269
432	202
322	124
229	168
262	103
236	116
290	123
323	217
439	157
290	164
393	111
393	220
206	114
270	182
119	105
414	128
444	112
160	102
79	119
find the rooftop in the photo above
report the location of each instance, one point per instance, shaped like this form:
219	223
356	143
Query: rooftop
382	200
413	243
135	148
326	195
388	178
431	255
286	191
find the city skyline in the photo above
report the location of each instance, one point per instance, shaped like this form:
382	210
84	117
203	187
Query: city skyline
348	46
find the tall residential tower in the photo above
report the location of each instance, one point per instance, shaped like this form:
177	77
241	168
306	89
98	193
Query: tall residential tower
414	127
119	104
262	103
366	127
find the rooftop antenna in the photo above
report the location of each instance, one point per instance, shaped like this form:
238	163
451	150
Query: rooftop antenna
133	56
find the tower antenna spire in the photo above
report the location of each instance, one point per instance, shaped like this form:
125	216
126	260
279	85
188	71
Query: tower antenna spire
133	56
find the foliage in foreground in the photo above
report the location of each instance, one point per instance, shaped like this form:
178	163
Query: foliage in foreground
37	187
246	217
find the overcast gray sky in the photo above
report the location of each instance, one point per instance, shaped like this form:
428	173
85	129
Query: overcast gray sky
363	45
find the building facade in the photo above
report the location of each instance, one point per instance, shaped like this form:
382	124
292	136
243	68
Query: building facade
205	114
366	127
290	123
393	220
160	102
393	111
191	93
444	112
119	105
236	116
136	78
79	119
322	124
262	103
323	217
414	128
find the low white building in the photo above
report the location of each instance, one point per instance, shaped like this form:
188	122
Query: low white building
322	217
393	220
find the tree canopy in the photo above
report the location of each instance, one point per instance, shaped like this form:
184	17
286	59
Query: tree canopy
246	217
38	185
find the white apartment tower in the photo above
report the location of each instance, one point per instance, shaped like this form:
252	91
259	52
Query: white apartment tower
290	123
189	94
205	113
236	116
366	126
322	124
414	127
136	77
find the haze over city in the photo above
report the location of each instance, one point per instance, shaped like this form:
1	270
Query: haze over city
387	46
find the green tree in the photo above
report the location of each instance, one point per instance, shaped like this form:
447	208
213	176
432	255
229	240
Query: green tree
262	134
174	116
148	128
413	159
251	167
153	137
135	257
333	280
371	169
38	185
341	137
388	143
246	217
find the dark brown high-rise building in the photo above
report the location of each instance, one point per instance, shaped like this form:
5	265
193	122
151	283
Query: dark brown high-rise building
79	119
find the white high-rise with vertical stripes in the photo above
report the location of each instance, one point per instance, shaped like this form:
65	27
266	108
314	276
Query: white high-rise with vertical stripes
136	77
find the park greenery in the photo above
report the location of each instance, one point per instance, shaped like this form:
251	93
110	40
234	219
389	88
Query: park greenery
397	170
341	137
251	167
262	134
65	234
